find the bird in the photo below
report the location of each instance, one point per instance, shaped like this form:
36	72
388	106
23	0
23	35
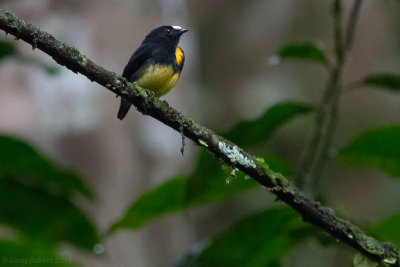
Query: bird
156	64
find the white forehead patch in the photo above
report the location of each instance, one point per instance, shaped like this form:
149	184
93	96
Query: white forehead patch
177	27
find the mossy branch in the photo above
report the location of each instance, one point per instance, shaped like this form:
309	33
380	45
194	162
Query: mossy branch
234	156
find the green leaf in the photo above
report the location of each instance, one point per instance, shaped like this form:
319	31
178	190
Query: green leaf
278	165
34	253
211	182
384	80
23	162
35	197
378	148
361	260
38	213
7	48
252	132
259	240
388	230
167	197
48	68
306	51
208	183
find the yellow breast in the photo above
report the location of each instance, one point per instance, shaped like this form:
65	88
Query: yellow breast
158	78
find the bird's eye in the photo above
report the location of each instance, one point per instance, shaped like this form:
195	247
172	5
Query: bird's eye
168	31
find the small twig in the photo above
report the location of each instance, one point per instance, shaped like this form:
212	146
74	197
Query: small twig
352	23
338	32
231	154
317	151
311	159
341	50
183	141
331	100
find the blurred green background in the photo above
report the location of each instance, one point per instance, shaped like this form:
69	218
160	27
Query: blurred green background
70	170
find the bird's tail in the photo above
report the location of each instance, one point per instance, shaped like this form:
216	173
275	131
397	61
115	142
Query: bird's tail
123	108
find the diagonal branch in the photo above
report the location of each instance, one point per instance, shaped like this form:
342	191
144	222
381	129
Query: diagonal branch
234	156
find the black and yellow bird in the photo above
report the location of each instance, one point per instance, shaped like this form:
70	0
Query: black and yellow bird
156	64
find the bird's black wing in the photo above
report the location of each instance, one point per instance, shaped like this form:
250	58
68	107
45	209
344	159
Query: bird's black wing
132	72
138	59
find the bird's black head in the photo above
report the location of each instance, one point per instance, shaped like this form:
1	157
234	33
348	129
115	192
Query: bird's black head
170	34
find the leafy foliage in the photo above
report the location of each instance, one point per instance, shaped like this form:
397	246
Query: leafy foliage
47	68
31	253
384	80
53	217
260	129
7	48
36	199
259	240
21	161
305	51
209	182
378	148
167	197
388	229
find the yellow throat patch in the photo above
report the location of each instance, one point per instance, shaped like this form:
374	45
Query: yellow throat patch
178	56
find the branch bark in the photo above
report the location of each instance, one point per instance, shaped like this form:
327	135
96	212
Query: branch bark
234	156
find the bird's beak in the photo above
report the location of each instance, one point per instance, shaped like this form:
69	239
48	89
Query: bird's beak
183	31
